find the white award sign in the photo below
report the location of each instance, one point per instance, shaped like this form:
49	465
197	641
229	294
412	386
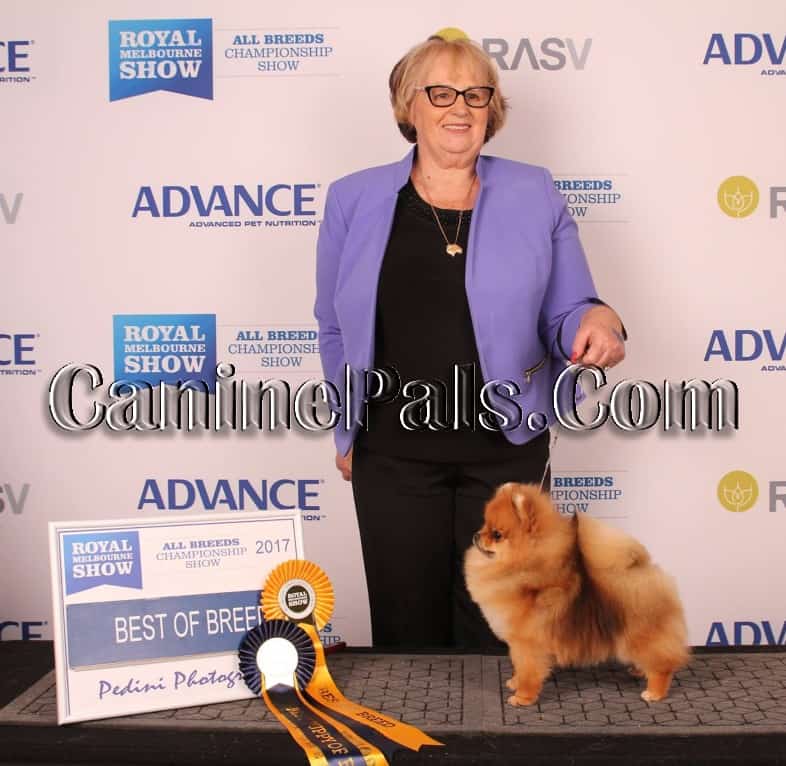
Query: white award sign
149	614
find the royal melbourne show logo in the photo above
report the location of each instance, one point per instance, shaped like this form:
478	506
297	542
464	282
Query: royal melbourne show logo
165	348
106	558
175	55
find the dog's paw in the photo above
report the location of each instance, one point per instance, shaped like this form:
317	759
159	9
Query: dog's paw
649	696
511	683
518	700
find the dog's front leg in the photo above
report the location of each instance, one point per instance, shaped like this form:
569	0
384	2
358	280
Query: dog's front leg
530	667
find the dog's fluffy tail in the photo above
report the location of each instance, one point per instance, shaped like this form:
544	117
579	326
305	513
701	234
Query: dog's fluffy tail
621	567
607	550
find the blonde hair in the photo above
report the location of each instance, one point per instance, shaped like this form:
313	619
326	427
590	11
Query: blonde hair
409	69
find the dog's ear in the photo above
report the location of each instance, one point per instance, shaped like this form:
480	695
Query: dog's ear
524	505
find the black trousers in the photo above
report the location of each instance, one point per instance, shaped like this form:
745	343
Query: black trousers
416	521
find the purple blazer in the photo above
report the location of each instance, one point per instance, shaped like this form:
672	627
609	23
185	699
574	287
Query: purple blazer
527	279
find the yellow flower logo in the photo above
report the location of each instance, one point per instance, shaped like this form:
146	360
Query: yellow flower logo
738	491
738	196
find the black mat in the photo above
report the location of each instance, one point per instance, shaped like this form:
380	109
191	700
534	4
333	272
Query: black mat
723	708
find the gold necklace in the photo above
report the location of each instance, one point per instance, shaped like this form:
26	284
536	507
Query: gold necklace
451	248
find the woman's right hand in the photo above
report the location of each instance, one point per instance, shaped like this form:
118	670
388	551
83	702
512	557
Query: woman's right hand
344	465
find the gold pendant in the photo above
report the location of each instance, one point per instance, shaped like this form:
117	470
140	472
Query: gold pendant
454	249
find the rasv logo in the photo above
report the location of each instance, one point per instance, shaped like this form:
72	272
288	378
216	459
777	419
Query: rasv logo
551	53
738	197
10	206
738	491
13	500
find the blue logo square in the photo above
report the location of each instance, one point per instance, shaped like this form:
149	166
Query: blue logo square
169	348
101	558
175	55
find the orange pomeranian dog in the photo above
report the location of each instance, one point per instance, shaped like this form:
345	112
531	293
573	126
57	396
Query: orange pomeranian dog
571	591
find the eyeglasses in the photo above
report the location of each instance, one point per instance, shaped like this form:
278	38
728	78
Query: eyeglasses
444	95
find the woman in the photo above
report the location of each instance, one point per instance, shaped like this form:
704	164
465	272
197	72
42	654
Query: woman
448	257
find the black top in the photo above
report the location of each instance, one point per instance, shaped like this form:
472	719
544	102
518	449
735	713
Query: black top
424	328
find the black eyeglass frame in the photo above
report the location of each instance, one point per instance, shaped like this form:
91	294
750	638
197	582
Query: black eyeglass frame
457	93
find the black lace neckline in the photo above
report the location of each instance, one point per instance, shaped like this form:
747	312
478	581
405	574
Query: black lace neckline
409	197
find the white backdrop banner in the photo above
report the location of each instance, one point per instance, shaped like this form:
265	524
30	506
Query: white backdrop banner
162	182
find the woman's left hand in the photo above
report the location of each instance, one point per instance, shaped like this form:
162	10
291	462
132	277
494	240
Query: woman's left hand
599	338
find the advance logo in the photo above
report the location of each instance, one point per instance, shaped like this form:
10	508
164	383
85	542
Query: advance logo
233	495
161	54
747	633
22	630
744	49
15	61
235	206
765	347
17	353
104	558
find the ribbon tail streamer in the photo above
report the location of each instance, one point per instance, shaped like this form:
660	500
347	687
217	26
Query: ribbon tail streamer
323	688
322	743
387	747
369	748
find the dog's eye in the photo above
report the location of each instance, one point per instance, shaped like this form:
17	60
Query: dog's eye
496	535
